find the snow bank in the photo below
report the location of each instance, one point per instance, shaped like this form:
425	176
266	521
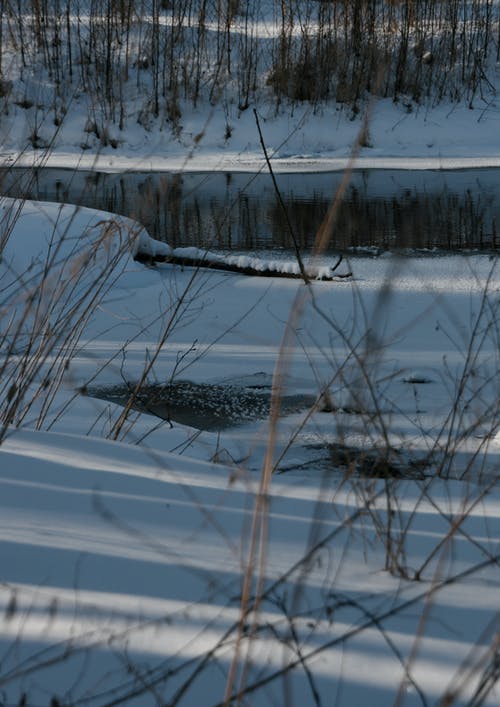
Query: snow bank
123	566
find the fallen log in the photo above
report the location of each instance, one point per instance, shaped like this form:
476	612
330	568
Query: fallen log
241	265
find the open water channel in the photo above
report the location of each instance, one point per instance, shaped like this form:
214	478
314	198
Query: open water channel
382	209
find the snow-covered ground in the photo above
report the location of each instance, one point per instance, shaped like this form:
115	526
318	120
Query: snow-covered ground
218	135
447	137
342	550
123	558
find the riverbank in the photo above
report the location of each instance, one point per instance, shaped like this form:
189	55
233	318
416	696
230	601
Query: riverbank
448	136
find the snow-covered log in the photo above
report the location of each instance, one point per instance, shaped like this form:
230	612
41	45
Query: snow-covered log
242	264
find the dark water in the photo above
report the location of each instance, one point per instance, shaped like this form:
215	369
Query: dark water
383	209
206	406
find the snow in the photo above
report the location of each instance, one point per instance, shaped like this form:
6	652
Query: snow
448	137
122	563
124	541
246	262
112	561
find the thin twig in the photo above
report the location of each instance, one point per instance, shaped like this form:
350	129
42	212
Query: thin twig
300	262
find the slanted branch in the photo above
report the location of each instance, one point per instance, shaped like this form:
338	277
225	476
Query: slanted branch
243	265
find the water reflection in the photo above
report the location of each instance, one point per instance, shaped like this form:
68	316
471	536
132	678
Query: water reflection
385	209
